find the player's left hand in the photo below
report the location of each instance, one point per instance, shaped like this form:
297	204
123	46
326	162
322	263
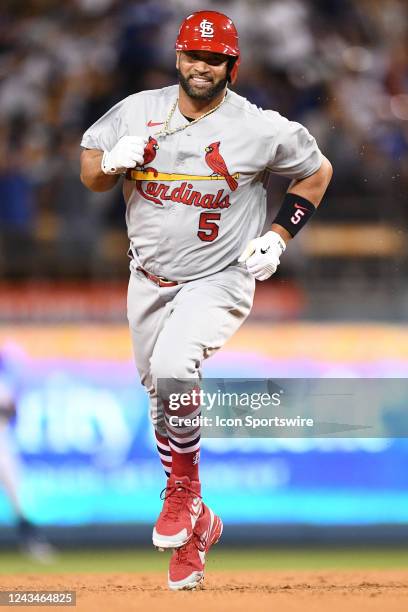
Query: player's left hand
262	255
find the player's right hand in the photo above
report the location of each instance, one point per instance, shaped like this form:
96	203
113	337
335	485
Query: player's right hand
128	152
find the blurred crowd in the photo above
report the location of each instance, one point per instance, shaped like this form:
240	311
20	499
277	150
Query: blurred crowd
338	66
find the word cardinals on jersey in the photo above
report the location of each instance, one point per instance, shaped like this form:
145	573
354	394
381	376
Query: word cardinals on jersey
160	192
183	194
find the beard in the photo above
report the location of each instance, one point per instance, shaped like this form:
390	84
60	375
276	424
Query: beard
208	94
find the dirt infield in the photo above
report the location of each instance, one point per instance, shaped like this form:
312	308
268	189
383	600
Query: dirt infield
283	591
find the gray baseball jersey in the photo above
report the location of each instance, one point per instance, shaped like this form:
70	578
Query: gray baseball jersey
199	196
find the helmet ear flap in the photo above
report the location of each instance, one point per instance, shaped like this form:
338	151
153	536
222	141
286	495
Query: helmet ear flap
233	64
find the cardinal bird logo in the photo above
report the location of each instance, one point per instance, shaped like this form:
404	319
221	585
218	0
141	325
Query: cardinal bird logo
216	162
149	155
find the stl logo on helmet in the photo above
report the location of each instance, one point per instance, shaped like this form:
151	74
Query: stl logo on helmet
206	29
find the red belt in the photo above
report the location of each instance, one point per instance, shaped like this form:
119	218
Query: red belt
158	280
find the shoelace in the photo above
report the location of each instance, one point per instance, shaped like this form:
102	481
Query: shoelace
175	497
183	552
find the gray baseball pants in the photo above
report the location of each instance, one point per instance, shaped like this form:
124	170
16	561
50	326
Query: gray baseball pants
174	329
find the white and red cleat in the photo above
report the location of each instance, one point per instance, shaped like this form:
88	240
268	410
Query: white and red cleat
181	509
186	570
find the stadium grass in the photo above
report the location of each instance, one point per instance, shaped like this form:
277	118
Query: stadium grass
223	559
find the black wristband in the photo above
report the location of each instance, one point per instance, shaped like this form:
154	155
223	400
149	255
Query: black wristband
294	213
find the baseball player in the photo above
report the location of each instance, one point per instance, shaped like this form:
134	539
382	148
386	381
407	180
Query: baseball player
193	158
31	540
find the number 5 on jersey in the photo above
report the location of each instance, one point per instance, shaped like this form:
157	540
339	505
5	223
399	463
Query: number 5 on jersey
208	229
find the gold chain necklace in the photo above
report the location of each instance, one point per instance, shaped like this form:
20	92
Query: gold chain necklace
166	132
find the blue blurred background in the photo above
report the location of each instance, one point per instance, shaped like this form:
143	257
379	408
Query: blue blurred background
88	455
337	306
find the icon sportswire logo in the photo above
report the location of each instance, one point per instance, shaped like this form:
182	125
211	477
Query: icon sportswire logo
206	29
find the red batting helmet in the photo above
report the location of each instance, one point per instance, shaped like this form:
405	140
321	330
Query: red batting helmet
210	31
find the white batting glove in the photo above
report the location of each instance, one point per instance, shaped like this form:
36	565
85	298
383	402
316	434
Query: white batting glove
128	152
262	255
